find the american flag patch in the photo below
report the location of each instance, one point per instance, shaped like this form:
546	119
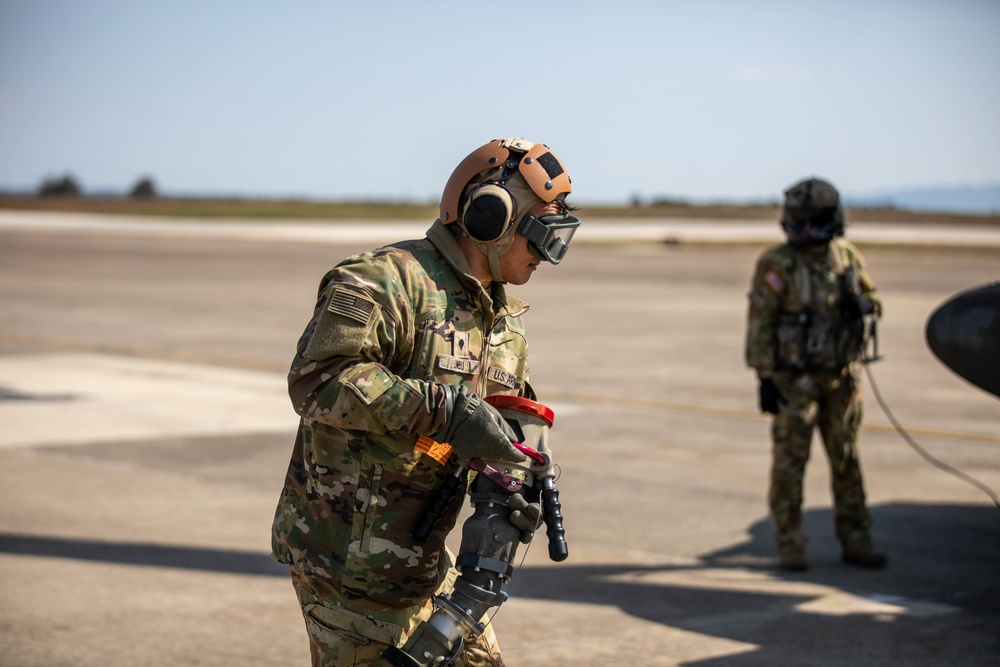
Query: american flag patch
353	305
773	281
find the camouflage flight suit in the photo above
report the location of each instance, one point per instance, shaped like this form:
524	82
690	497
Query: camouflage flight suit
390	326
798	336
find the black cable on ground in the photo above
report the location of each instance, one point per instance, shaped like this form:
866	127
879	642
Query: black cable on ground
920	450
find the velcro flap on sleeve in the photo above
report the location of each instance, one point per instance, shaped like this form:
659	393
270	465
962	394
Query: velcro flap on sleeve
368	381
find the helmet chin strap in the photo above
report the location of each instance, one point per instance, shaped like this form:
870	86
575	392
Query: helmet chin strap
493	251
494	257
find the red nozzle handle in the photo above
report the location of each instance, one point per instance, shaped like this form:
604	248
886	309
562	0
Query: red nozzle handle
533	453
521	404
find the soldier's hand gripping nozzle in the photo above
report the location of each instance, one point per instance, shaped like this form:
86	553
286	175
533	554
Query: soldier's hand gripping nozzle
489	538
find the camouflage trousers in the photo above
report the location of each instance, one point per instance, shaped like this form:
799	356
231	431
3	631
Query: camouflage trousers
345	631
830	401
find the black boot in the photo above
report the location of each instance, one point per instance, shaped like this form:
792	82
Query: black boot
863	554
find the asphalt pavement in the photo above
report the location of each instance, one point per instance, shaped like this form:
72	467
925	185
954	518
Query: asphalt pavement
145	430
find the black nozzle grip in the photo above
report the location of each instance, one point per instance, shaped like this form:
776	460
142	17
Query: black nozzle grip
558	551
443	497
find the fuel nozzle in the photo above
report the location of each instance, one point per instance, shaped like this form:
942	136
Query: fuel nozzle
489	539
531	421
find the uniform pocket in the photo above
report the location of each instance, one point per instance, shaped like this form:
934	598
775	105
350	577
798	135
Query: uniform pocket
327	625
370	503
367	381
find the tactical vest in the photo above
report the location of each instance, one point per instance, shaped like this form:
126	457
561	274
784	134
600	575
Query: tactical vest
812	331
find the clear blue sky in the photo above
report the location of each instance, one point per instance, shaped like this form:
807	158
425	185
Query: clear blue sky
700	99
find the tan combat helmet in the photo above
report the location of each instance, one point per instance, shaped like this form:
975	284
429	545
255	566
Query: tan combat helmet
494	187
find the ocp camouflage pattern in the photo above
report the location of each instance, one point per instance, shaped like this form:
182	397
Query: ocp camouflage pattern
345	630
830	401
787	283
815	365
389	327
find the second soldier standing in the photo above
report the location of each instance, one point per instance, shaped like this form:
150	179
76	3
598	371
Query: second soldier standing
805	336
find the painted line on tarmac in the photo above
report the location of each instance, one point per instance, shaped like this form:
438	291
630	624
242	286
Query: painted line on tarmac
375	232
740	413
309	231
603	230
823	599
654	569
201	359
79	398
57	343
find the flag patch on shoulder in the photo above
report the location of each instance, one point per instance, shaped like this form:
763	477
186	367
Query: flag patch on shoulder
773	281
353	305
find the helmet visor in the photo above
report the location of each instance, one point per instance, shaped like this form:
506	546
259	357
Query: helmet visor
549	236
811	225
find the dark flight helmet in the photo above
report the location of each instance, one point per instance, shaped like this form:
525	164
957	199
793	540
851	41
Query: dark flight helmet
812	213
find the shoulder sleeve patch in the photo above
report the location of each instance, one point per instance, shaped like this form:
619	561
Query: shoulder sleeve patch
774	282
353	305
341	328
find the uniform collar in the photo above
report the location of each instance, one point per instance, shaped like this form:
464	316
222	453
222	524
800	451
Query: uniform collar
445	242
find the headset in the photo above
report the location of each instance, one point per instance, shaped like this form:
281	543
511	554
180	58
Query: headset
489	211
490	207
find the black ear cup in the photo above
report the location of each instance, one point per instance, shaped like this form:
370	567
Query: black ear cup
488	213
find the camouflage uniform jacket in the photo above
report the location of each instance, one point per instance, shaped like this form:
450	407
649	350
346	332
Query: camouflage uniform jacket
796	320
389	326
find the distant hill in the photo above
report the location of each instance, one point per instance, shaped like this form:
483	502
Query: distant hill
981	199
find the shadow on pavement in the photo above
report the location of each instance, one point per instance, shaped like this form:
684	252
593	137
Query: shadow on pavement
943	555
7	394
150	555
946	555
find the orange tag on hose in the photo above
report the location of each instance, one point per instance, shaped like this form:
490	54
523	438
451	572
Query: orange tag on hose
437	451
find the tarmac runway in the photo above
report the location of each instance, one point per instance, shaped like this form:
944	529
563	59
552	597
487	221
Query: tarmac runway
145	430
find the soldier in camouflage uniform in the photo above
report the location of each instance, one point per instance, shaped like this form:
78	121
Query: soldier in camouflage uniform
810	302
403	343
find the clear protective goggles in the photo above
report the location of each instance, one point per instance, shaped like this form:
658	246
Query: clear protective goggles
548	236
